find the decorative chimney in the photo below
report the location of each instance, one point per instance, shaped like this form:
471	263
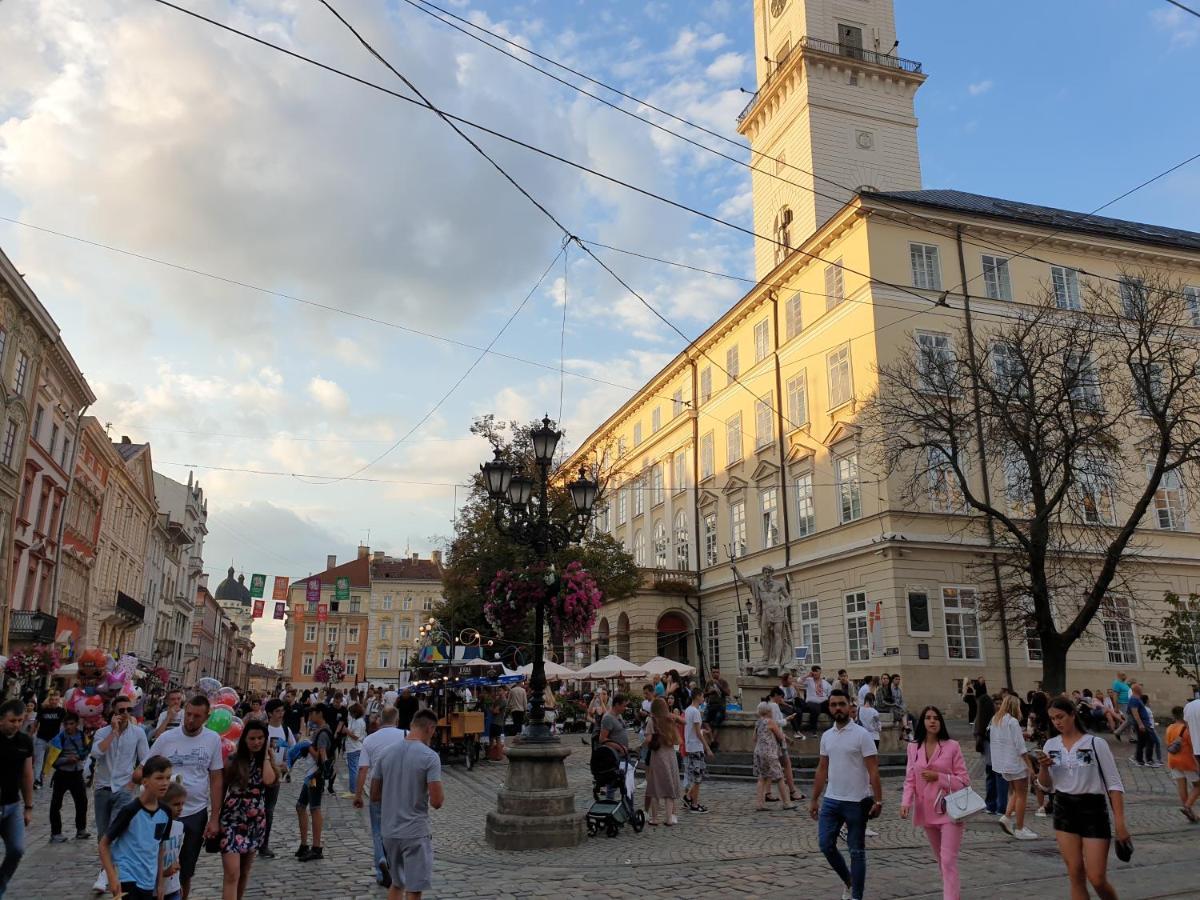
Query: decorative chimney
364	552
436	556
378	556
331	560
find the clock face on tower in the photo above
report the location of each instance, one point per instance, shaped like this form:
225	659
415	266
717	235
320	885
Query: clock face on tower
777	7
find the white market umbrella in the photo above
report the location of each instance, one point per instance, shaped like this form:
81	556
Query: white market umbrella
660	665
553	670
611	666
478	663
68	669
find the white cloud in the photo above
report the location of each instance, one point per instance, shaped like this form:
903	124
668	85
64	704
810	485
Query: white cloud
328	395
978	88
1184	29
689	43
726	67
353	353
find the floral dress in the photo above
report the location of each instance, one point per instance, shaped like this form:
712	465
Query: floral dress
766	752
244	815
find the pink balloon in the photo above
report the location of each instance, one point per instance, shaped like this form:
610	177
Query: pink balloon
227	696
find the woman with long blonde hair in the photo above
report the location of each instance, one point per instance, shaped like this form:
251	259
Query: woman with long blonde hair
1010	760
662	770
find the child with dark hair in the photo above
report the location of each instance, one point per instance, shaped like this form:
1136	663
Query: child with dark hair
132	849
172	801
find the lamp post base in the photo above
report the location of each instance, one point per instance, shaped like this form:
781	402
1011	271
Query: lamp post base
535	809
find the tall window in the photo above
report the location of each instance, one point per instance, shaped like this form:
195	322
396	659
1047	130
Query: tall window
1009	372
935	357
996	283
405	631
3	343
406	605
714	642
840	386
639	548
810	630
806	517
783	234
385	631
1095	494
1033	642
731	364
707	456
351	666
1118	632
1017	487
622	505
1168	502
733	440
926	269
660	545
762	340
427	604
637	433
918	612
1148	386
310	632
705	384
639	496
22	375
1133	297
681	540
621	447
53	438
679	477
331	635
945	492
793	315
710	539
1066	287
352	634
655	419
770	516
10	443
385	659
961	610
1084	380
849	491
1191	296
658	492
35	430
387	601
764	421
743	638
737	528
858	644
677	403
306	665
797	398
835	285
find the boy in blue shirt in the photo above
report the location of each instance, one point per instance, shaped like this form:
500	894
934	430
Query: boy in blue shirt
132	849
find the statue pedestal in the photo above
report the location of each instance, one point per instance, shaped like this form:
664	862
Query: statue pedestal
535	809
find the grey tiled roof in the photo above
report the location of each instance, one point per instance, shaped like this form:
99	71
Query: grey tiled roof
1048	216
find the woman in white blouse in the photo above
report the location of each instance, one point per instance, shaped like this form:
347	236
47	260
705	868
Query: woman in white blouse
1010	760
1080	769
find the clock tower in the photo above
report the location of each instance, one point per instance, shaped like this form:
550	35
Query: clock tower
833	114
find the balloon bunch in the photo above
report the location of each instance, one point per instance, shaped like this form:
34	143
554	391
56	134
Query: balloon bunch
101	680
222	719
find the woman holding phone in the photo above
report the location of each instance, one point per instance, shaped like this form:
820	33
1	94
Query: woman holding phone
1081	770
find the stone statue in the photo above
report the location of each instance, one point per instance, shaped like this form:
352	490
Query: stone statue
773	598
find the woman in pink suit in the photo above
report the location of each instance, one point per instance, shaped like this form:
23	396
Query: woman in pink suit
936	769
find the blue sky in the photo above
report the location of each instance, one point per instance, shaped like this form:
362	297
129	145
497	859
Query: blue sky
129	124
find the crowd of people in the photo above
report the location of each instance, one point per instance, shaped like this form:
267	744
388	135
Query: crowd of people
164	789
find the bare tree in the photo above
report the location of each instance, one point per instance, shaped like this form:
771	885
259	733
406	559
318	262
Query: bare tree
1089	419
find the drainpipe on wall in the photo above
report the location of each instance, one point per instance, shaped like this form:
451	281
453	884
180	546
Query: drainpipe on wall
702	668
983	467
779	423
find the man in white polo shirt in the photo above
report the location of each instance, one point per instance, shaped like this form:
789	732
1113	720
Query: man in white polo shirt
1191	715
373	746
848	776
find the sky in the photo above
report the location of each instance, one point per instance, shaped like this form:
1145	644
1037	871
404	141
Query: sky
364	252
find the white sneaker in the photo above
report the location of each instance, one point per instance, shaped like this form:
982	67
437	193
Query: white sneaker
1024	834
1154	765
846	895
1041	812
1006	824
871	832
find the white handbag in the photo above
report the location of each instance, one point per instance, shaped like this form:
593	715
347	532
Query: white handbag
963	804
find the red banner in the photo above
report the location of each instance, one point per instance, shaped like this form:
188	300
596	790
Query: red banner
297	613
279	608
281	588
258	609
313	590
322	612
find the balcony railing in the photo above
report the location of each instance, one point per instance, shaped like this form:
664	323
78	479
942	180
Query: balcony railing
38	627
833	48
669	581
128	605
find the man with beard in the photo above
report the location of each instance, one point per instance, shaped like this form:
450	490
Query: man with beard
848	776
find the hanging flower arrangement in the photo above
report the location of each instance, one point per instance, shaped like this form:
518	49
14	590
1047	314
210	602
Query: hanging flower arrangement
330	671
573	607
511	597
32	663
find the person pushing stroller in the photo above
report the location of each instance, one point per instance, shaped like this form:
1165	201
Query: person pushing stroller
614	734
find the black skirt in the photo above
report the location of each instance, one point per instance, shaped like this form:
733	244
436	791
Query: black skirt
1083	814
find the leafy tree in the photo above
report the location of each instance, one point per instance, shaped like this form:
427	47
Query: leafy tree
478	550
1083	414
1176	640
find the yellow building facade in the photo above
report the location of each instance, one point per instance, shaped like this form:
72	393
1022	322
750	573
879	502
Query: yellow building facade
747	444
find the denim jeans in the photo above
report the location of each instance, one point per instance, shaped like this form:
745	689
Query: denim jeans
271	798
375	810
852	814
996	796
39	758
108	802
352	766
12	833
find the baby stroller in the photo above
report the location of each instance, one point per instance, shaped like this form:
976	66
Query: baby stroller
612	801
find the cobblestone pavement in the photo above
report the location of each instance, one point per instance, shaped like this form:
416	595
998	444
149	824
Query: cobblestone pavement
730	851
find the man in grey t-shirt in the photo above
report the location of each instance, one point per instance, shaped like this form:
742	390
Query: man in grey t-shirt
613	733
407	781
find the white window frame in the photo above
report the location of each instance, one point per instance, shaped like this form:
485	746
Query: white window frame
858	630
310	632
404	632
797	396
1191	297
997	284
957	616
732	366
945	493
742	630
793	312
639	497
639	549
764	421
1065	282
331	635
655	420
806	511
308	664
926	265
661	543
734	448
1120	637
406	606
849	489
708	461
637	434
679	477
21	374
385	659
351	666
713	635
935	357
677	404
705	385
1133	296
427	604
1095	486
1169	505
1032	637
840	375
737	529
909	592
9	449
352	634
711	548
762	340
658	491
835	284
682	544
769	506
808	629
387	602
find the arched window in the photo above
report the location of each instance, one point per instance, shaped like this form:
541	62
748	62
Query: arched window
639	549
660	545
681	540
602	639
623	636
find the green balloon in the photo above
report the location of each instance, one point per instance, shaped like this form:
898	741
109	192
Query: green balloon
219	720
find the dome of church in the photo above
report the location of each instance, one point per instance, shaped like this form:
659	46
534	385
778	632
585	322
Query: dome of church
233	590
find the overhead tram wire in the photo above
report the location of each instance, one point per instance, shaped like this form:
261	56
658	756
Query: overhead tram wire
941	230
1186	9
